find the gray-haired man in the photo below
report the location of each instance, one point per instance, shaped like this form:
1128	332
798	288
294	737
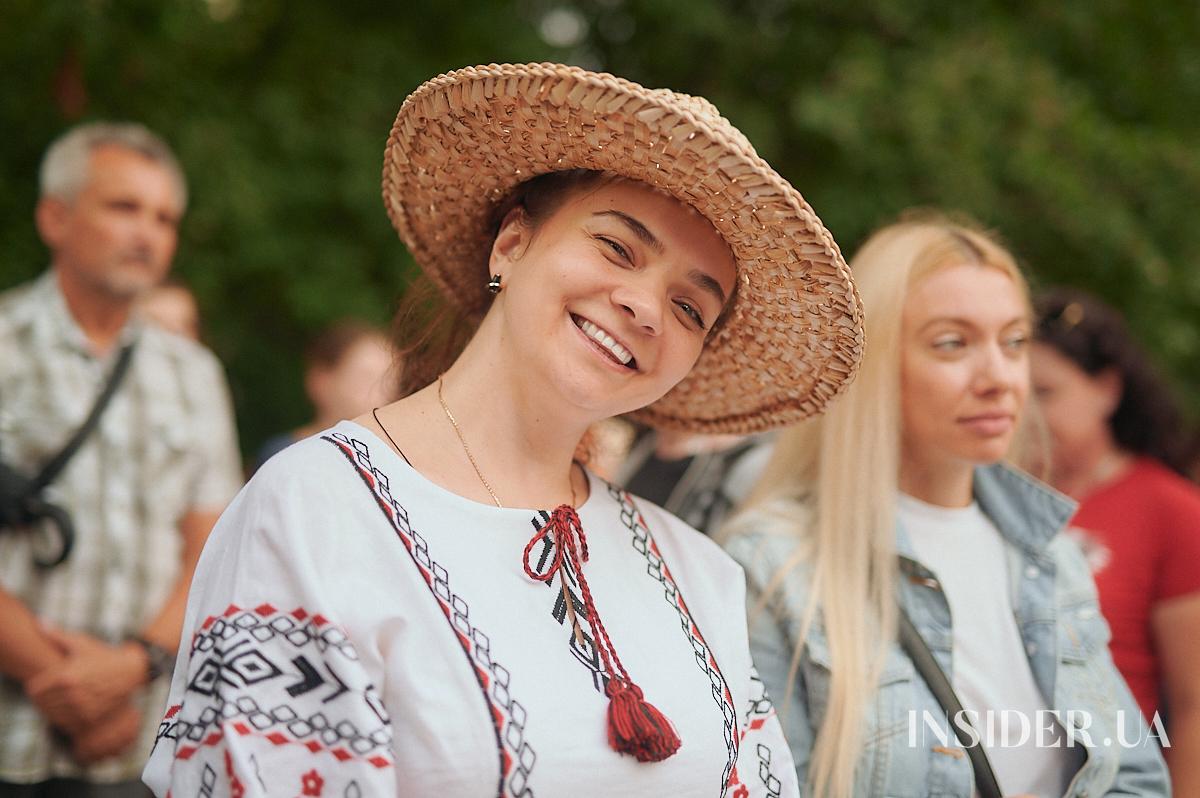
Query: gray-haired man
83	645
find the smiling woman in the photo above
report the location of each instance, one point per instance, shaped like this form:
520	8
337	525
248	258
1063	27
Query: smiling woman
627	271
372	615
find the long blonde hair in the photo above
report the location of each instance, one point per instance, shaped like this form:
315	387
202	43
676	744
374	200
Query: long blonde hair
844	467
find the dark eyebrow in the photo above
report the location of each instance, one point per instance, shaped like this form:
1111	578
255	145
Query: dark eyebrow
707	283
698	278
637	228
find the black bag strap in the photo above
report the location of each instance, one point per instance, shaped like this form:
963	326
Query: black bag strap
914	645
57	463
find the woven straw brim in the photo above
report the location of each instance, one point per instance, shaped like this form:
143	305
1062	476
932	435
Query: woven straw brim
462	141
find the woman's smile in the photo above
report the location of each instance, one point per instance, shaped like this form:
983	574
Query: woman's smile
606	343
639	278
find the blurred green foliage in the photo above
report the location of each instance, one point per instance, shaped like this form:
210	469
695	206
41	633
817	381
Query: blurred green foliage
1072	128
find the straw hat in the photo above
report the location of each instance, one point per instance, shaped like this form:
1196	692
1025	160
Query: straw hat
462	141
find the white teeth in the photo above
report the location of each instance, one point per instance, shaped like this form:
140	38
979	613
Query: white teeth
604	339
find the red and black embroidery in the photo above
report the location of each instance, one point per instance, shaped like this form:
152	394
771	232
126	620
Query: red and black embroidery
281	676
759	711
310	783
635	726
516	756
643	542
583	645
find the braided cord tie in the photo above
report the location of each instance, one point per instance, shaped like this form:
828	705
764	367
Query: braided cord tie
635	726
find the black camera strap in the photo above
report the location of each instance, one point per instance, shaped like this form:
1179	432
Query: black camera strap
918	651
21	501
57	463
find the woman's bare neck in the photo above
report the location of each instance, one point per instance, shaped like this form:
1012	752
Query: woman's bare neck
521	448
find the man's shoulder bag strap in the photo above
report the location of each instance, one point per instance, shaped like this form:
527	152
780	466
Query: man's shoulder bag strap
52	469
22	498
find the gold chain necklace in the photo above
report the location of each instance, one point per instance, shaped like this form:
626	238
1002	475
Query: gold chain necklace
461	439
471	457
466	448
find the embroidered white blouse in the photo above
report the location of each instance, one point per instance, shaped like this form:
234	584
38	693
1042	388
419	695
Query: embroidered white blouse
356	630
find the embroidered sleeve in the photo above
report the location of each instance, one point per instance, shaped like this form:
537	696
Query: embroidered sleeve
271	696
275	702
764	768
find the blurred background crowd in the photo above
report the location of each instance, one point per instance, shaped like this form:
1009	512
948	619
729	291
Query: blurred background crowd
1068	128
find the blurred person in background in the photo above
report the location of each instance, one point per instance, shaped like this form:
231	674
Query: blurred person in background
1119	446
172	306
345	375
608	442
86	647
896	506
698	477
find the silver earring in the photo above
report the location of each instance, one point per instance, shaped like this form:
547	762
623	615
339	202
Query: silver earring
493	285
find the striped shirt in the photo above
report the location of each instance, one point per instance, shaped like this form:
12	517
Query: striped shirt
165	446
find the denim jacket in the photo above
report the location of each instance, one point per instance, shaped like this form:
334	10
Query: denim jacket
1057	615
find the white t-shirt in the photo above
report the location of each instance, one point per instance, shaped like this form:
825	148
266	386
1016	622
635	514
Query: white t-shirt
356	630
991	674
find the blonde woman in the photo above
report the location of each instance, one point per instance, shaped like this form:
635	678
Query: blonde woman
436	598
897	504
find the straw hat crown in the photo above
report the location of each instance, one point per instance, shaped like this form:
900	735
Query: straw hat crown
462	141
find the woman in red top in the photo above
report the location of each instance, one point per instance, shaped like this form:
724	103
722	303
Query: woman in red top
1117	444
